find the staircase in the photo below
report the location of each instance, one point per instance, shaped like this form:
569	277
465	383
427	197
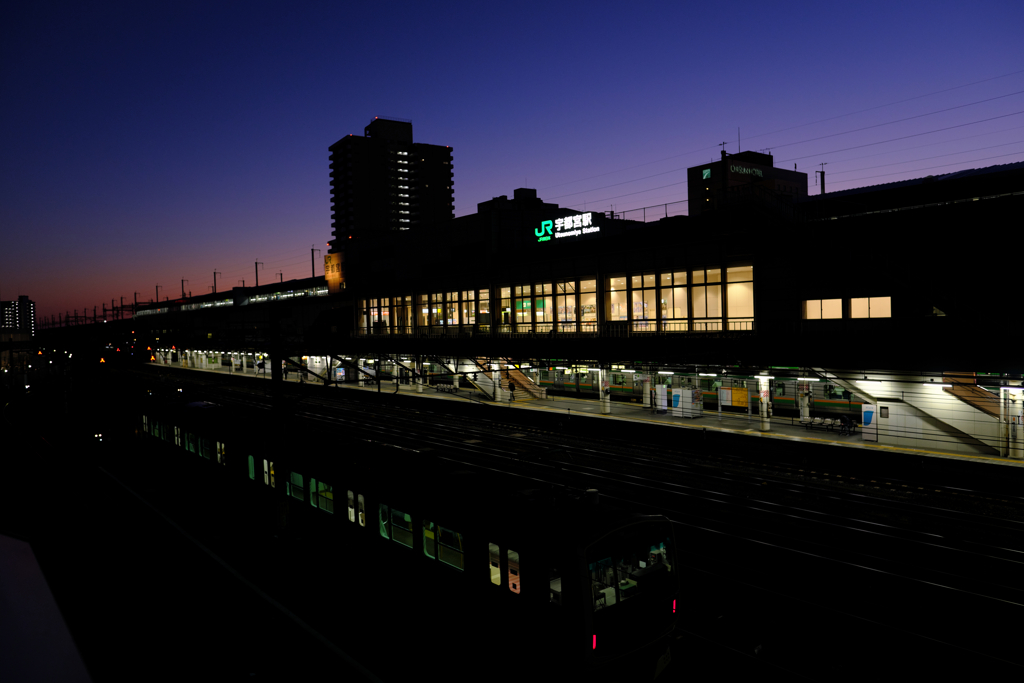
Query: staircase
965	387
526	390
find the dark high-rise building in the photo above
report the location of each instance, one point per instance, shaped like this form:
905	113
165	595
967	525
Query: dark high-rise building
384	181
19	315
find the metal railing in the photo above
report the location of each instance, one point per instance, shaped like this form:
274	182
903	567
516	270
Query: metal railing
587	329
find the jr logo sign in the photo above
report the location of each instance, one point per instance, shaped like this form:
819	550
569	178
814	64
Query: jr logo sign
543	233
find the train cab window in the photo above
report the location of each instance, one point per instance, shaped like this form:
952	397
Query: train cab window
221	453
401	528
205	447
385	521
252	468
362	510
177	436
495	554
266	472
325	496
145	424
273	483
555	586
514	582
351	507
294	486
429	544
450	548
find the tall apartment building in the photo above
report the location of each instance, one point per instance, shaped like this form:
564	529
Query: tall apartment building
384	181
19	315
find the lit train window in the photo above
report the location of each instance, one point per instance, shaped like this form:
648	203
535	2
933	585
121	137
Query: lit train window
351	507
190	442
252	468
145	424
450	548
312	492
429	544
221	453
205	447
385	521
362	510
177	436
294	486
325	497
266	472
401	528
602	583
273	484
513	571
495	555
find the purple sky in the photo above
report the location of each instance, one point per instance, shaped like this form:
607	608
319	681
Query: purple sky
142	146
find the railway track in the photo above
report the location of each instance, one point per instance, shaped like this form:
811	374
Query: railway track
864	549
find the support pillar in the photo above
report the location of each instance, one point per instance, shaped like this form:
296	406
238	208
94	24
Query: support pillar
419	375
455	377
763	386
606	392
647	392
804	396
496	378
231	363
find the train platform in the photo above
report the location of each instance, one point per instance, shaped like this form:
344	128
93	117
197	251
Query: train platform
784	428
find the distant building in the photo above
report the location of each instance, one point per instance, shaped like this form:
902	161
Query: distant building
383	181
710	186
18	315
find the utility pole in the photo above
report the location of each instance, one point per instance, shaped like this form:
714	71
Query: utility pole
135	308
258	264
822	172
312	263
183	281
158	294
93	315
215	281
120	312
104	311
243	283
281	276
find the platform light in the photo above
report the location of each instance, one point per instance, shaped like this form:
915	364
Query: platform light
764	376
809	379
561	368
665	372
627	370
707	374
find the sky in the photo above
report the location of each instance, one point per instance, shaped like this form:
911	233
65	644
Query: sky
146	143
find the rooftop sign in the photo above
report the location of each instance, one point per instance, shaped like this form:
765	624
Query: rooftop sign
570	226
746	171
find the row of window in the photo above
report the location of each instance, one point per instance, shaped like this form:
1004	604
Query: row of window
677	296
439	543
864	307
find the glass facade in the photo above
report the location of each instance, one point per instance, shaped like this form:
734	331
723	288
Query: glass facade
697	300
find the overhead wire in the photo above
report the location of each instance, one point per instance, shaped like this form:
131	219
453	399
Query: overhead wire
782	130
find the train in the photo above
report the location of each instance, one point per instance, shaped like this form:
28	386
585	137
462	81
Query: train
573	582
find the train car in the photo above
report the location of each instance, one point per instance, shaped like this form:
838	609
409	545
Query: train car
601	584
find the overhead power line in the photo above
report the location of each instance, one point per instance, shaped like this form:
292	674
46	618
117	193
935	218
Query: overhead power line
782	130
928	168
889	123
833	174
902	137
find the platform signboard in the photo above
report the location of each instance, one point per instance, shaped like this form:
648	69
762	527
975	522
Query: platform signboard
868	422
334	272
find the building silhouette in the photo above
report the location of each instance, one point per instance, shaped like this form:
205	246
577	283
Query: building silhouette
18	315
383	181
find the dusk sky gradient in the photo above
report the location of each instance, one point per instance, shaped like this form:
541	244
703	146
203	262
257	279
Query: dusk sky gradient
144	143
